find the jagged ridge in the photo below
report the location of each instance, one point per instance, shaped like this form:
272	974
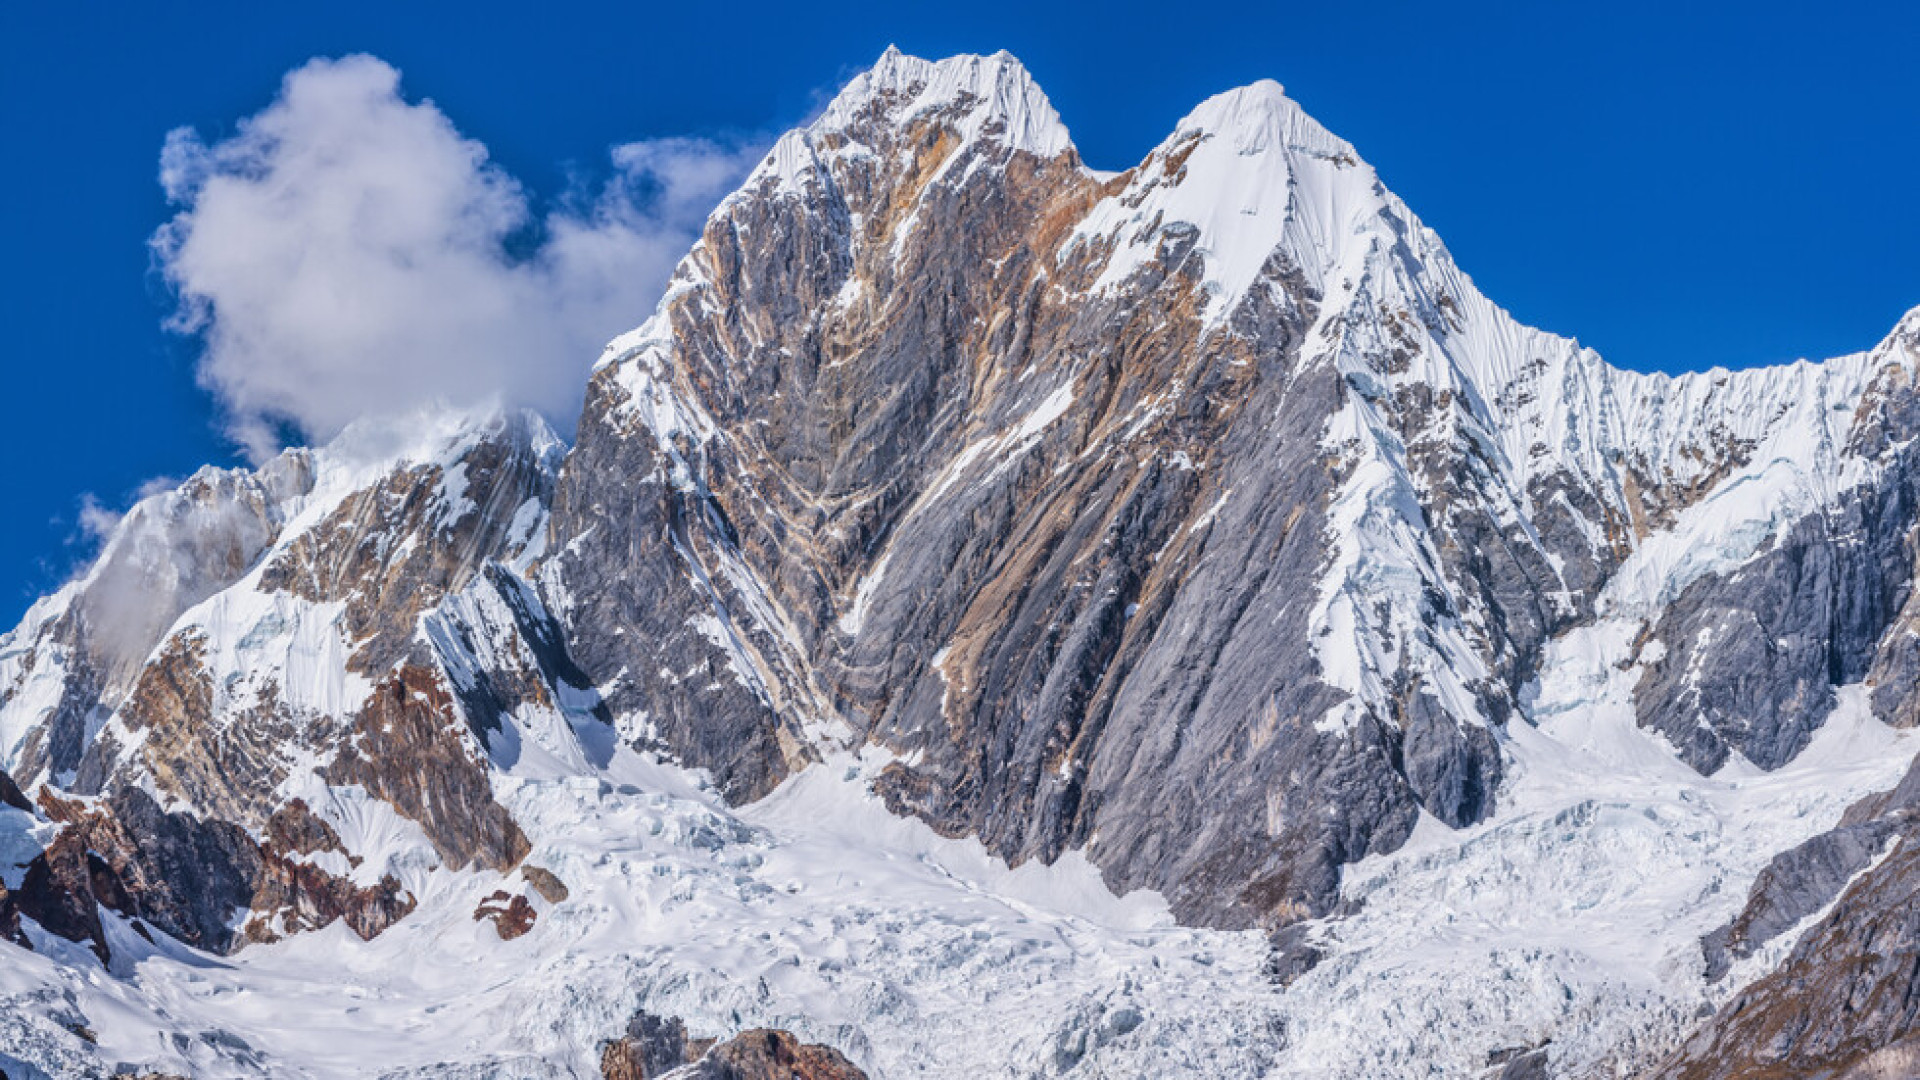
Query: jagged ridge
1202	518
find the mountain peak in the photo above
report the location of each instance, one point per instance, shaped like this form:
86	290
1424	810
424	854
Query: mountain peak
1252	174
1260	116
988	95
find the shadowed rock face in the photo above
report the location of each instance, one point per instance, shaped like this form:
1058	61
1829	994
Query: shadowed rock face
64	886
1846	1000
58	893
11	795
1752	657
185	875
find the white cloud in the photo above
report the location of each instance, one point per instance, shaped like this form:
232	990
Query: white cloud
347	253
96	520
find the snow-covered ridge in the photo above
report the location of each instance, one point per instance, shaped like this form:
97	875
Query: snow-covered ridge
1258	179
190	561
1264	186
997	94
979	97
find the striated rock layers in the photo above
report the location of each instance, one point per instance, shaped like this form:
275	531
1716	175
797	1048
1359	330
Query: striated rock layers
1201	516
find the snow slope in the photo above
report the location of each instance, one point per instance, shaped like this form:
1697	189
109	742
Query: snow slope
1572	916
813	910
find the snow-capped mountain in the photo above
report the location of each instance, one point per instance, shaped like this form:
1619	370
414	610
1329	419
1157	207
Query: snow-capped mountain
1003	618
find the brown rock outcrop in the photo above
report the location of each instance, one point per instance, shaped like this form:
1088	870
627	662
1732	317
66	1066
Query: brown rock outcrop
651	1047
772	1054
550	887
654	1047
293	896
408	749
512	916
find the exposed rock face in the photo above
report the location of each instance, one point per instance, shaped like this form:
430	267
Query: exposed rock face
295	894
1844	1003
651	1047
407	750
1531	1065
58	893
1217	551
1752	657
89	641
185	875
544	882
512	916
295	675
50	883
1846	1000
633	593
767	1054
655	1047
11	795
502	649
1030	534
1202	518
1798	883
460	515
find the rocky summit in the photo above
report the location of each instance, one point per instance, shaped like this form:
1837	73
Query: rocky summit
1003	618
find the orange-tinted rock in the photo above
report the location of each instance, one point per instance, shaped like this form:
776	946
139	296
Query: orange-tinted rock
294	896
409	749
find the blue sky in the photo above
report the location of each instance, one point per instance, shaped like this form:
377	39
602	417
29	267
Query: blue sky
1676	185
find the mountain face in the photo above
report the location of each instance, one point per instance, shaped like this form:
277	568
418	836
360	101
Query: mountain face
1203	517
1196	533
